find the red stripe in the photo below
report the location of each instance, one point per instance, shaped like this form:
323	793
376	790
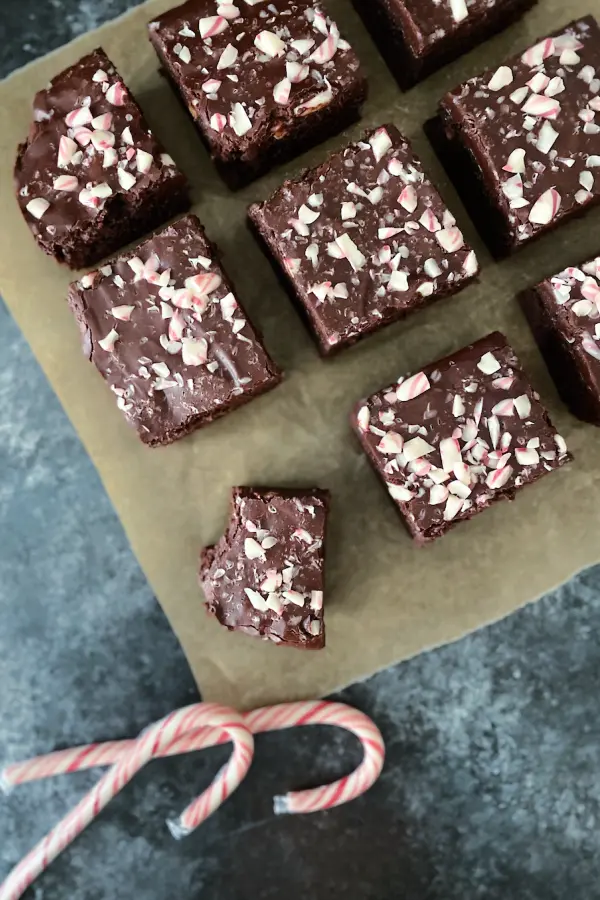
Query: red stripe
76	763
305	719
341	786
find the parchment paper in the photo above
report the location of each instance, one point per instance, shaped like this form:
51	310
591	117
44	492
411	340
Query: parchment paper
387	600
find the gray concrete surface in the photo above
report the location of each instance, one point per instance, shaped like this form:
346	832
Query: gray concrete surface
491	788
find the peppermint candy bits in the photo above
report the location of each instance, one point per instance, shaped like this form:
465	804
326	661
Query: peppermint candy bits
262	81
165	330
91	177
265	576
522	141
451	440
364	239
564	315
416	37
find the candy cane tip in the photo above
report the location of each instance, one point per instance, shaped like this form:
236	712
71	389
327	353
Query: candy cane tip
281	805
177	829
5	786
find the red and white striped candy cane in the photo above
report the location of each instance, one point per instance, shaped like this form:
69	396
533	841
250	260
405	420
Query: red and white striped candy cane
152	743
193	735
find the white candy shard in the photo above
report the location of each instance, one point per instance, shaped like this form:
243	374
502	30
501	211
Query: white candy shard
488	364
545	208
228	57
399	493
268	43
107	343
351	252
501	78
194	352
238	119
380	143
37	207
391	443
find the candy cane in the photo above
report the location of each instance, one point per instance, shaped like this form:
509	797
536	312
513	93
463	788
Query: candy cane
151	743
259	721
194	728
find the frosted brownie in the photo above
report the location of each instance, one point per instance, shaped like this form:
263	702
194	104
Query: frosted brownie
453	439
363	240
164	328
91	177
564	315
521	141
265	577
262	81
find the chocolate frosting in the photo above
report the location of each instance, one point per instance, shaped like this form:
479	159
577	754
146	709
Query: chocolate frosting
258	68
400	246
103	158
426	23
265	576
531	126
452	439
164	328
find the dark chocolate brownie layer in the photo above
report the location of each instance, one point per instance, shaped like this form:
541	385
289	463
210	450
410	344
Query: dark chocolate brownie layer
521	140
364	239
453	439
164	328
564	314
263	82
91	177
265	577
416	37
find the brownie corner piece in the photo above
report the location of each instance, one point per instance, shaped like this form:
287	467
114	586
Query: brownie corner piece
521	142
564	315
456	437
163	326
265	577
417	37
91	177
363	240
262	82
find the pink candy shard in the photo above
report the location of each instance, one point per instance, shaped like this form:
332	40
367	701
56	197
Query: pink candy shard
412	387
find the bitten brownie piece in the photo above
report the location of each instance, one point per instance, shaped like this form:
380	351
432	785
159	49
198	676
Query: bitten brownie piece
416	37
265	576
521	141
91	177
163	327
564	314
451	440
363	240
262	81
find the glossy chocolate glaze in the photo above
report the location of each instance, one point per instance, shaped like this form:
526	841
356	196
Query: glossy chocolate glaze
184	351
407	249
529	129
257	74
95	172
451	440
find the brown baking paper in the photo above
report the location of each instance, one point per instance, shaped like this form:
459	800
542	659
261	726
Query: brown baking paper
386	599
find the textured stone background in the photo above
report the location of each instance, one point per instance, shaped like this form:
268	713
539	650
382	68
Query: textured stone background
491	789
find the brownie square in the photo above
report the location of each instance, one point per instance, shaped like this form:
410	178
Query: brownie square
262	81
265	577
564	315
453	439
417	37
521	141
91	177
363	240
164	328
